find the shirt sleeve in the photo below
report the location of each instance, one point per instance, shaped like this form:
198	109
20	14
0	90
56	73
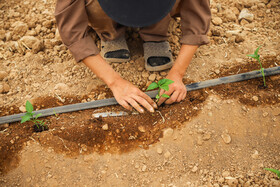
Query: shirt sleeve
195	21
72	23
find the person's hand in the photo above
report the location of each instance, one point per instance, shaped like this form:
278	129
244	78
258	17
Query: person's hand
177	90
128	96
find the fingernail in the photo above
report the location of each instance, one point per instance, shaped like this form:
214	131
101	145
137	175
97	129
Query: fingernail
155	105
141	110
152	110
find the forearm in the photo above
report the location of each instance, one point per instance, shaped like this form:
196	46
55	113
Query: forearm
102	69
183	60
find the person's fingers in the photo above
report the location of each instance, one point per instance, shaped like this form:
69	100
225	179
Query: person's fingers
125	105
181	97
163	99
148	99
135	105
144	103
173	98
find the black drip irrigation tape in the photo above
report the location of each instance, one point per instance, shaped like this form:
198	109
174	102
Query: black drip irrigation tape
152	94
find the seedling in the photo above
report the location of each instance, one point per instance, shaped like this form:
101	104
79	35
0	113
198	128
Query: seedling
277	172
161	84
257	57
38	125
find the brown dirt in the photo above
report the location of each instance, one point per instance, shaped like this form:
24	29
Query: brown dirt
218	136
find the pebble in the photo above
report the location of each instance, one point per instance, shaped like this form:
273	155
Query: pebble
194	169
145	74
167	154
239	38
265	114
159	150
19	30
141	129
3	75
226	174
28	179
105	127
226	138
217	21
22	108
255	155
6	125
152	77
61	87
255	98
140	69
32	43
245	14
168	132
232	181
206	136
199	140
4	88
144	167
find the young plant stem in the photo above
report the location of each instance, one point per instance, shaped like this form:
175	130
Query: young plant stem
262	72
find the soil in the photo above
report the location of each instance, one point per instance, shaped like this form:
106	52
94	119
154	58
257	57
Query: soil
219	136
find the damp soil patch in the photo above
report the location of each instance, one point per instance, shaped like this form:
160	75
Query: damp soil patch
79	133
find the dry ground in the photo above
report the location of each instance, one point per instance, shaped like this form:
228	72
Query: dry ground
222	136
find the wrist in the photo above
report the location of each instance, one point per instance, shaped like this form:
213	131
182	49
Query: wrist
113	80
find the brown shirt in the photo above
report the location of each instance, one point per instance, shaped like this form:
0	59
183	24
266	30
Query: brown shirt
72	21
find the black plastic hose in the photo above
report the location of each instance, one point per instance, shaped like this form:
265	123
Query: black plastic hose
152	94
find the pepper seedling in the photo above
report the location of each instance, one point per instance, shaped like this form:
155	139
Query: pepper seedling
38	125
277	172
161	84
257	57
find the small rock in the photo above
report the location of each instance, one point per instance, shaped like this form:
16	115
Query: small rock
22	108
199	140
140	69
152	77
61	87
194	169
163	73
167	154
265	114
4	88
6	125
159	150
141	129
232	181
245	14
145	74
144	167
239	38
206	136
168	132
3	75
32	43
20	29
105	127
12	141
217	21
255	155
221	180
226	138
226	174
255	98
28	179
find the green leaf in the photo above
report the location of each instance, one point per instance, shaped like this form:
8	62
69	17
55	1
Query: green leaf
165	96
252	56
277	172
157	96
257	51
165	82
25	118
165	87
152	86
29	107
38	115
